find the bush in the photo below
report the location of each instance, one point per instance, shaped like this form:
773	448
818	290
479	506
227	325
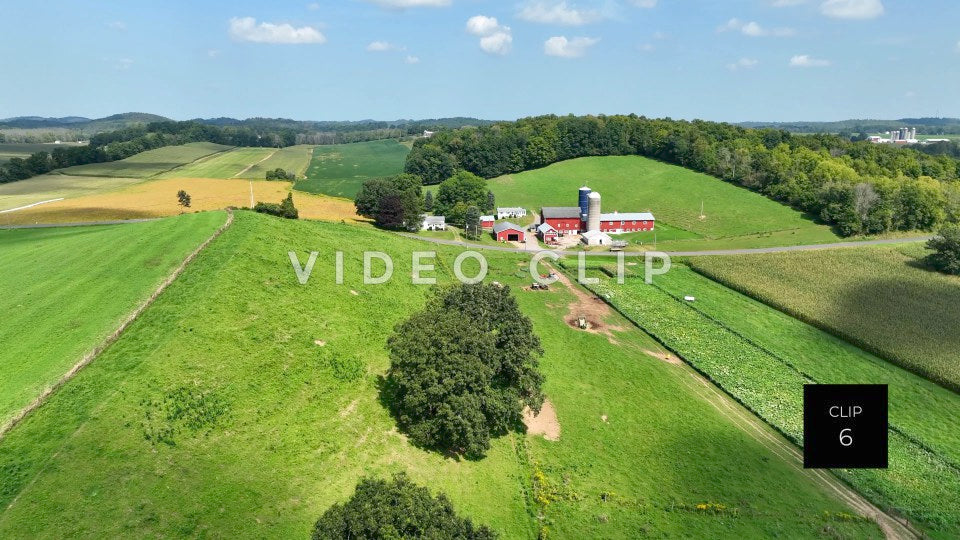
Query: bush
463	369
285	209
280	174
396	509
946	246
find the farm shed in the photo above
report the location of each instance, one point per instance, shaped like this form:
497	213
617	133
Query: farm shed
565	219
511	212
508	232
596	238
616	222
547	233
486	222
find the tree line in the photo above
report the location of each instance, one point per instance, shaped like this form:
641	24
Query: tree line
858	187
123	143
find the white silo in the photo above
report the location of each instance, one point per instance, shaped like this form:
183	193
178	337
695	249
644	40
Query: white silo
593	212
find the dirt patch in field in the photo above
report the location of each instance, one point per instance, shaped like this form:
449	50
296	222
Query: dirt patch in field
665	356
348	410
545	423
593	309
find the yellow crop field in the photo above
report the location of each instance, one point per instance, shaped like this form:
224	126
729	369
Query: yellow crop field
158	198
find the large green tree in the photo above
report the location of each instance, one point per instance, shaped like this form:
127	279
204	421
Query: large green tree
394	202
946	250
396	509
463	369
459	192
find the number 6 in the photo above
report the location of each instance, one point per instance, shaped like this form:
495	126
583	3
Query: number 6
845	438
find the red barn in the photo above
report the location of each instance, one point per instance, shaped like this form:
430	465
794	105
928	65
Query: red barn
486	222
547	233
626	222
508	232
565	219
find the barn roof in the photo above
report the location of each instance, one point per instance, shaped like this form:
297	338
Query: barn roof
506	226
545	228
557	212
627	216
488	218
435	220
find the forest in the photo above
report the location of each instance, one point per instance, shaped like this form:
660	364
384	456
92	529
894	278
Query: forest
857	187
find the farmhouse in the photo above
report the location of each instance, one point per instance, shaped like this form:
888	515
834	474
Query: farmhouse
587	218
508	232
547	233
486	222
510	212
434	223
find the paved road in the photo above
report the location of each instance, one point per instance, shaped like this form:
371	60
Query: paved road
807	247
78	224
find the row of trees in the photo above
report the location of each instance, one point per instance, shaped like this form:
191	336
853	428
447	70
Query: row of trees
284	208
280	174
394	202
123	143
857	186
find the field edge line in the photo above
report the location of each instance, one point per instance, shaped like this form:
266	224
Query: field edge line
24	412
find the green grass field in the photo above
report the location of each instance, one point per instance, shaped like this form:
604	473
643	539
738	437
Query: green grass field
341	169
227	164
734	216
763	358
293	159
64	290
878	297
244	404
148	164
23	150
54	186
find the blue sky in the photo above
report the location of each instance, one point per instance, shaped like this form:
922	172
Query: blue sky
730	60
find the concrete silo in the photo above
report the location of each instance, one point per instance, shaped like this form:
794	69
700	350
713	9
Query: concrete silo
593	211
584	195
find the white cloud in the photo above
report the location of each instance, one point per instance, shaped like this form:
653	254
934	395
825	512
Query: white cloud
381	46
805	61
247	29
786	3
124	64
852	9
958	46
753	29
313	6
403	4
213	53
494	37
645	47
568	48
743	63
117	25
644	3
410	59
552	12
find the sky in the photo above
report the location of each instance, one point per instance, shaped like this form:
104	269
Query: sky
729	60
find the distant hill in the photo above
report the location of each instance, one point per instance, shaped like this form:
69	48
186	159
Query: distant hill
926	126
80	123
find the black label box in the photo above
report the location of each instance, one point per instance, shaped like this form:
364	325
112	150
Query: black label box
845	426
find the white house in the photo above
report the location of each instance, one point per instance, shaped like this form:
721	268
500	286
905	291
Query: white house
510	212
434	223
428	134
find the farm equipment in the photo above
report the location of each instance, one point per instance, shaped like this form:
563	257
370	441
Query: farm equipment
582	322
537	286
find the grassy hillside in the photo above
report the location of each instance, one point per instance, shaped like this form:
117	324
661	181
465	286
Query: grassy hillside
223	165
341	169
274	385
673	194
149	163
293	159
23	150
63	290
879	297
158	198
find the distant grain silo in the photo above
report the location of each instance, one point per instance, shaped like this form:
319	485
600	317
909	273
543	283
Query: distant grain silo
584	196
593	212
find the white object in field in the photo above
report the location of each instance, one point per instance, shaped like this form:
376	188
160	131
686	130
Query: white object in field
689	298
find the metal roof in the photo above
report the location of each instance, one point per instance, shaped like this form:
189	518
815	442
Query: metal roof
628	216
557	212
435	219
488	218
506	225
510	209
545	227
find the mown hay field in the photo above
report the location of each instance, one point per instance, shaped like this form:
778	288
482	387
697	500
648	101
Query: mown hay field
764	365
157	198
733	215
150	163
294	159
227	164
340	169
881	298
55	186
64	290
245	404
